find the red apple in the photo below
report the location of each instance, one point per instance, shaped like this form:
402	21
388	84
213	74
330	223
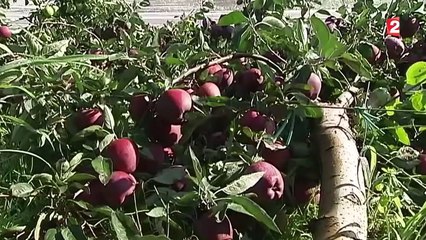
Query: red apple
250	80
88	117
119	188
395	47
152	159
5	32
421	168
271	185
139	106
257	122
124	154
305	190
172	105
207	228
208	89
276	154
314	82
95	194
164	133
408	26
227	79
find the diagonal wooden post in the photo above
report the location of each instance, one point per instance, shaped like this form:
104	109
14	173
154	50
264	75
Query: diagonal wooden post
343	213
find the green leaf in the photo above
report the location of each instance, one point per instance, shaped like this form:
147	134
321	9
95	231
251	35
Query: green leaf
157	212
57	48
126	77
51	234
174	61
402	135
37	229
103	166
106	141
170	175
416	73
75	161
273	22
330	47
321	30
254	210
234	17
301	34
81	177
418	100
21	190
379	97
67	234
83	134
129	223
5	48
11	75
246	41
243	183
258	4
120	230
109	118
196	164
43	177
6	86
357	64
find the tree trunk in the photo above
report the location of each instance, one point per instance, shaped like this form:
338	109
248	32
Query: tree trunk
342	213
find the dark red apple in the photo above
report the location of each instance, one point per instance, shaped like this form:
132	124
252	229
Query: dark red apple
124	154
227	79
315	84
164	133
119	188
152	159
216	31
421	168
5	32
213	69
139	106
182	184
172	105
371	52
257	122
305	190
208	89
408	26
331	19
250	80
207	228
395	47
331	25
228	32
95	194
271	185
88	117
216	72
133	53
276	154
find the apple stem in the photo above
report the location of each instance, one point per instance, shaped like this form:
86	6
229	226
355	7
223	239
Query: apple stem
343	197
227	59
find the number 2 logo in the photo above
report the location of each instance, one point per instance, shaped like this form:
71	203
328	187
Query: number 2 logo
392	26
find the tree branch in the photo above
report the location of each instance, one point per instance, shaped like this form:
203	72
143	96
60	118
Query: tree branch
342	213
227	59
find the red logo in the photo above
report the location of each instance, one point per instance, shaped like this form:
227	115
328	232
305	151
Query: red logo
392	26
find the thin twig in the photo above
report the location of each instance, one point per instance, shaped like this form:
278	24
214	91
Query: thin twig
227	59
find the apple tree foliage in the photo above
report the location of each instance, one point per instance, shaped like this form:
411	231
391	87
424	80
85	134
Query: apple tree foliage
89	54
